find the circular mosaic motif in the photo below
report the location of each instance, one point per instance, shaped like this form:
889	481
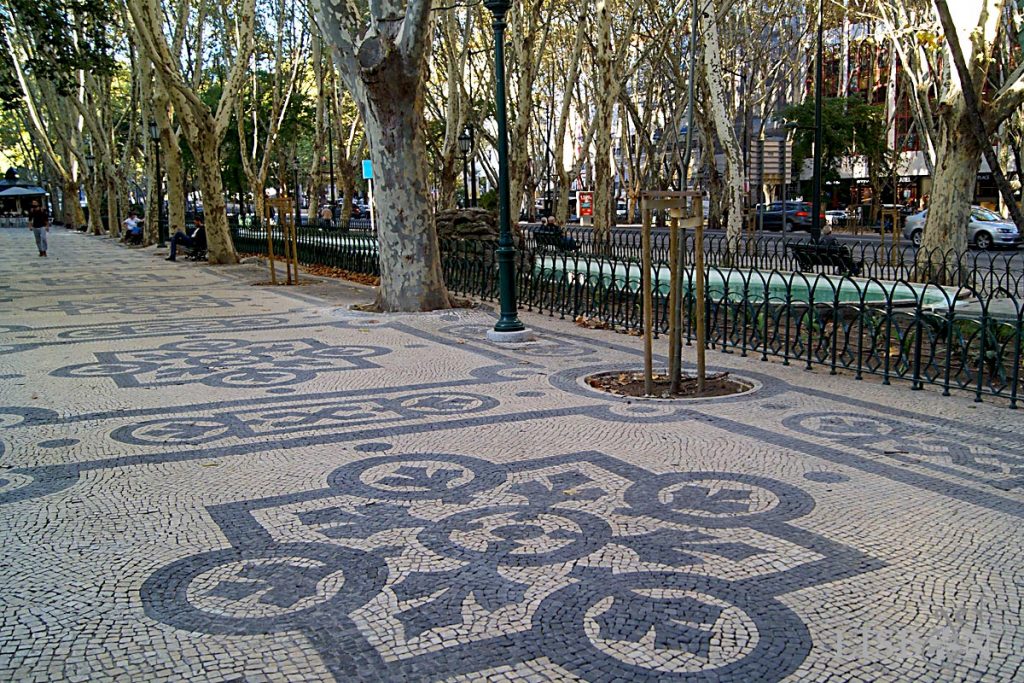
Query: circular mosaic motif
425	477
840	426
717	499
517	537
674	627
261	591
107	369
698	632
11	481
263	587
417	476
256	377
446	403
189	431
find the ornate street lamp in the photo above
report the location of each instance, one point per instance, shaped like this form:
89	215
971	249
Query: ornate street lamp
472	162
298	208
465	145
161	227
816	182
90	166
330	161
508	327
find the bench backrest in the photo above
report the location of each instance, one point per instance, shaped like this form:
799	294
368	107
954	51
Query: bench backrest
548	237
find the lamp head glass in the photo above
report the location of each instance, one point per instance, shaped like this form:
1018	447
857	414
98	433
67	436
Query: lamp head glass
498	7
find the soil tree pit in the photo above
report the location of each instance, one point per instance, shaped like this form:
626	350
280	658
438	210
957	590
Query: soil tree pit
631	383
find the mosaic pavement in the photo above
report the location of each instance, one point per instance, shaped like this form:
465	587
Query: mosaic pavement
205	480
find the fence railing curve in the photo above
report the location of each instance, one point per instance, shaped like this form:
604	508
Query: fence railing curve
963	332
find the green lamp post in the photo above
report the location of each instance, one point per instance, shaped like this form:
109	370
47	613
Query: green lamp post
508	327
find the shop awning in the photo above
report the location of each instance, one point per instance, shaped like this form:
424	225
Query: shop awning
22	191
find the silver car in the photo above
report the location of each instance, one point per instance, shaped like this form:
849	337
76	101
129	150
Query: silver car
985	230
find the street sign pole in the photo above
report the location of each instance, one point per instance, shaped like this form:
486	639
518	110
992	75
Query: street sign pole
368	177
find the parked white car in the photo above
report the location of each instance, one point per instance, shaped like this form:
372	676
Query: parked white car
986	229
835	217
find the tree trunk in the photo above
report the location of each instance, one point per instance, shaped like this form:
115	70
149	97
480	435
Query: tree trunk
124	202
317	180
607	93
385	69
348	191
73	214
113	219
410	260
561	193
450	162
171	159
734	172
259	200
446	183
174	185
94	199
151	228
220	248
562	175
523	37
945	233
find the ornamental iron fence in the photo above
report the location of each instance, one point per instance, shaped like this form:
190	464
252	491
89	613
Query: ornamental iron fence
761	298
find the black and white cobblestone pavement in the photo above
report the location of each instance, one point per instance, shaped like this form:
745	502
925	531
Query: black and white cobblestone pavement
205	480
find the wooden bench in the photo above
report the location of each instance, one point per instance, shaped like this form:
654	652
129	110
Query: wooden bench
548	237
838	256
195	252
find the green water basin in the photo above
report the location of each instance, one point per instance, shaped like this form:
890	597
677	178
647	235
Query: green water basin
736	284
358	244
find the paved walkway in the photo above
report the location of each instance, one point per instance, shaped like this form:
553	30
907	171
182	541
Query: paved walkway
206	480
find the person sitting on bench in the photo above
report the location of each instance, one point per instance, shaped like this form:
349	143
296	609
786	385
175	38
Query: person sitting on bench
196	240
133	229
551	227
827	239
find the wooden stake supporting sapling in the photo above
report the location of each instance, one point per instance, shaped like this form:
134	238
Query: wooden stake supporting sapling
289	233
646	286
685	211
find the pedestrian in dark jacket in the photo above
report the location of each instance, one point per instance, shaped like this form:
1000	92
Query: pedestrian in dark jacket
39	223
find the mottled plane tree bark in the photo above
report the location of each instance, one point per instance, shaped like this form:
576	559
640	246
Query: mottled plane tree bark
381	54
611	46
448	101
958	151
259	116
202	127
715	80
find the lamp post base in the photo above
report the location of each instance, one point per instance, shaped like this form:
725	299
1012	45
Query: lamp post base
517	336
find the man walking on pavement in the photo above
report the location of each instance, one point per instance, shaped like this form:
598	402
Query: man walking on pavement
39	220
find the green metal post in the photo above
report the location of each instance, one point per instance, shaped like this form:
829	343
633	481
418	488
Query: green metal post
508	321
816	181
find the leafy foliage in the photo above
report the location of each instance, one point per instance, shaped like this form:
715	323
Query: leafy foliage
66	36
850	126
